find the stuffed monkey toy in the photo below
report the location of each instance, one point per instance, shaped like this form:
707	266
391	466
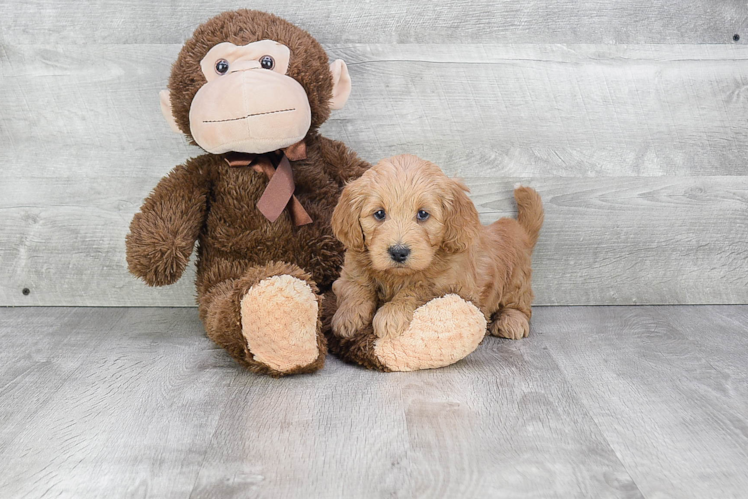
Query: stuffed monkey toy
252	90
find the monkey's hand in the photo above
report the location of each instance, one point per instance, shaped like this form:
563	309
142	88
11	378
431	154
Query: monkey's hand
156	252
163	234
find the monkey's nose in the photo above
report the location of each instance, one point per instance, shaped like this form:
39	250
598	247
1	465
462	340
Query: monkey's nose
399	253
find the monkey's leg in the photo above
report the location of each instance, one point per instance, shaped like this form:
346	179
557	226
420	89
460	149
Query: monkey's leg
442	332
268	320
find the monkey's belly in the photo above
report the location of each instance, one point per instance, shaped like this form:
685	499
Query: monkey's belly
226	252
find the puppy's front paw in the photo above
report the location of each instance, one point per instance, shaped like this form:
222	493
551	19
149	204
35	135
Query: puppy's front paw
348	320
391	321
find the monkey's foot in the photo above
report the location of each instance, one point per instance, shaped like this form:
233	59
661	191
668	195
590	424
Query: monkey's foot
279	317
442	332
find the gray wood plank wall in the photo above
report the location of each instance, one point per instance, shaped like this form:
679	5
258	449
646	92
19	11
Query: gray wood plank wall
630	118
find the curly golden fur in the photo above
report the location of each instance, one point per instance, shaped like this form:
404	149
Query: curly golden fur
413	234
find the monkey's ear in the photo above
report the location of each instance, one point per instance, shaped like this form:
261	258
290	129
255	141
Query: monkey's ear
166	110
341	84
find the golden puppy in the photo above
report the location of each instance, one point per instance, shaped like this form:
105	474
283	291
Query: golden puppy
412	234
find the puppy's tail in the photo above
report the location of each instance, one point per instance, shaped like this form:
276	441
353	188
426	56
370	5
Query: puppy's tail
529	212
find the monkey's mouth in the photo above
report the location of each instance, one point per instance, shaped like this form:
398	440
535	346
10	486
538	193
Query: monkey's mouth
251	115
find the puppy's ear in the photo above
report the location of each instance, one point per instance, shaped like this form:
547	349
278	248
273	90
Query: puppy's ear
345	217
461	220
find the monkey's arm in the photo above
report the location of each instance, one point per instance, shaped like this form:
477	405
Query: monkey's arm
163	234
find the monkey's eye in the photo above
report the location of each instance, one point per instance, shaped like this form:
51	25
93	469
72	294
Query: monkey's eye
379	215
222	66
267	62
422	215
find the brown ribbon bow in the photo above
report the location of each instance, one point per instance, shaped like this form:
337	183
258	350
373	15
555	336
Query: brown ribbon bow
279	192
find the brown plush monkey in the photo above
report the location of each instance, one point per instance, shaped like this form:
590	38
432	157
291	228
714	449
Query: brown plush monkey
248	83
252	89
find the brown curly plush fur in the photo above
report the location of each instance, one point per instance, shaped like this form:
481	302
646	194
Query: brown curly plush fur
207	201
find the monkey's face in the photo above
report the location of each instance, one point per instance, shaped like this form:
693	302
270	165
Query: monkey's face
231	90
249	104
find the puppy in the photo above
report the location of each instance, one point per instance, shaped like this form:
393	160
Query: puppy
412	234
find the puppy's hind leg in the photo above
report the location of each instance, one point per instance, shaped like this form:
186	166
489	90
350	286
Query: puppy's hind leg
510	324
511	319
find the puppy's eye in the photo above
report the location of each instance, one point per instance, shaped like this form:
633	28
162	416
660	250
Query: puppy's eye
379	215
267	62
422	215
222	66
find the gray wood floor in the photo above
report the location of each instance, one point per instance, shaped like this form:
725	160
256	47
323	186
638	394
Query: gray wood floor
598	402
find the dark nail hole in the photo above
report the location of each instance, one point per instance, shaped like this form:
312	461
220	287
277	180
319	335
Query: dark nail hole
735	37
26	291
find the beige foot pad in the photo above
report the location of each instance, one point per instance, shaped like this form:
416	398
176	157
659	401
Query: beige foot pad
279	321
443	331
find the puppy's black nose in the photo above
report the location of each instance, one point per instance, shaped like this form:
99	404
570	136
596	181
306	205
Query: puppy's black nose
399	253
